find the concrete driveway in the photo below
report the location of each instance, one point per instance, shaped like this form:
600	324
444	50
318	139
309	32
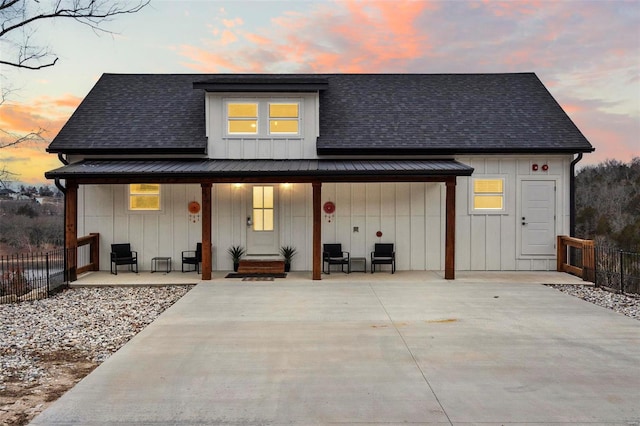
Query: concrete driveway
368	351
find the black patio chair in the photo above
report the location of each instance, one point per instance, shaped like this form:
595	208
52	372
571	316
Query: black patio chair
332	254
192	257
121	254
383	254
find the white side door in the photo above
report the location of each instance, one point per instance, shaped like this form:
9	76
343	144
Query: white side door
262	221
538	217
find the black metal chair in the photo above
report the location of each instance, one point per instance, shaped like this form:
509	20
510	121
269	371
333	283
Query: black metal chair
383	254
121	254
332	254
192	257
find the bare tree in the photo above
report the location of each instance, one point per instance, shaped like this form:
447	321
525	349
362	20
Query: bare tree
19	22
20	19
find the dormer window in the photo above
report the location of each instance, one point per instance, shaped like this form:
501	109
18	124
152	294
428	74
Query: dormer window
242	118
283	119
263	117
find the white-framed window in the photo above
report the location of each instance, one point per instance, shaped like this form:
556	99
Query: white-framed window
242	118
487	195
144	197
284	118
263	208
266	117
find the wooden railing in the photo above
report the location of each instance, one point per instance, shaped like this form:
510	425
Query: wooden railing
586	267
93	240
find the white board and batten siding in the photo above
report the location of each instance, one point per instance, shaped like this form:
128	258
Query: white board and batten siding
410	215
250	147
493	242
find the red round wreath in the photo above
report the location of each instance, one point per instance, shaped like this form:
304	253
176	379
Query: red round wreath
329	207
194	207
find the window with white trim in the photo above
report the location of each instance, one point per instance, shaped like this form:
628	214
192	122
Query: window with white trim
263	208
284	118
263	117
144	197
487	195
242	118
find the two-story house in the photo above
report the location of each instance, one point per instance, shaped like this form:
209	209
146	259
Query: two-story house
458	171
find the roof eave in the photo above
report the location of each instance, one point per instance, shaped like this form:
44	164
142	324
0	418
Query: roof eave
89	170
446	151
127	151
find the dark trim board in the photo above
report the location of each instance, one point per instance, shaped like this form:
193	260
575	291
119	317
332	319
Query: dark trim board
447	152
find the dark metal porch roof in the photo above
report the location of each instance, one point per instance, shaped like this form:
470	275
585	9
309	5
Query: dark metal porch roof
209	170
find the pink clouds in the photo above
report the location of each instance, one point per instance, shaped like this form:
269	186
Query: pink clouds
228	37
586	52
614	135
230	23
513	8
45	112
349	36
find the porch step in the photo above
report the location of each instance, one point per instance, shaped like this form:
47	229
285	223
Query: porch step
248	266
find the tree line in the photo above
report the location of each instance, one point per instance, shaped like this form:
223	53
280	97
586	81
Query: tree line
28	226
608	204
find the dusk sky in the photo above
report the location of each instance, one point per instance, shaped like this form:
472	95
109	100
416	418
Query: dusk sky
587	53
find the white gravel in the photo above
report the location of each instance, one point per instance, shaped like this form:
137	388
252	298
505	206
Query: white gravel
92	321
628	305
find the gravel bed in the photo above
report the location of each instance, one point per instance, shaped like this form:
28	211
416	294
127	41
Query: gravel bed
93	322
628	305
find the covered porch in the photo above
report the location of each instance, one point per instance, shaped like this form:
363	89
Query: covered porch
207	173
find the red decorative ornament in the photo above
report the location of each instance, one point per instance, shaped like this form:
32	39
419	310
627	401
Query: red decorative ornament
194	207
329	207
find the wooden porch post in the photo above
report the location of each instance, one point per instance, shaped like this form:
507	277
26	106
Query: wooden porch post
317	230
450	232
71	229
206	231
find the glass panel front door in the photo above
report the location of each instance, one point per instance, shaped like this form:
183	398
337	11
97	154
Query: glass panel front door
262	236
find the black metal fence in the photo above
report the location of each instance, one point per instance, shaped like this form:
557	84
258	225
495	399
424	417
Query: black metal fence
617	269
31	276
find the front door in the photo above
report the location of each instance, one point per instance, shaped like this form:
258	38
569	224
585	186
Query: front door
538	217
262	223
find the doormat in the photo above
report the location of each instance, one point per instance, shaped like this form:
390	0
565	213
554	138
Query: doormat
255	275
258	279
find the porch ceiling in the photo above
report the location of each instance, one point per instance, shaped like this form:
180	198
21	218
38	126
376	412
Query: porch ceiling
219	171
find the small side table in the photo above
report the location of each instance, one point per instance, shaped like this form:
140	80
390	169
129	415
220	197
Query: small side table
358	260
155	264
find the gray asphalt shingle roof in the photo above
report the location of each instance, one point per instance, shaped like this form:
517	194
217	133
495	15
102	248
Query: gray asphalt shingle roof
444	113
137	113
359	114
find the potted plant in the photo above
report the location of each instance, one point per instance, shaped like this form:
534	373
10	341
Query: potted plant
236	252
288	252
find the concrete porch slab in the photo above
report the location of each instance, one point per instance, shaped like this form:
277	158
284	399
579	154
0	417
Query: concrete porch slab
184	278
